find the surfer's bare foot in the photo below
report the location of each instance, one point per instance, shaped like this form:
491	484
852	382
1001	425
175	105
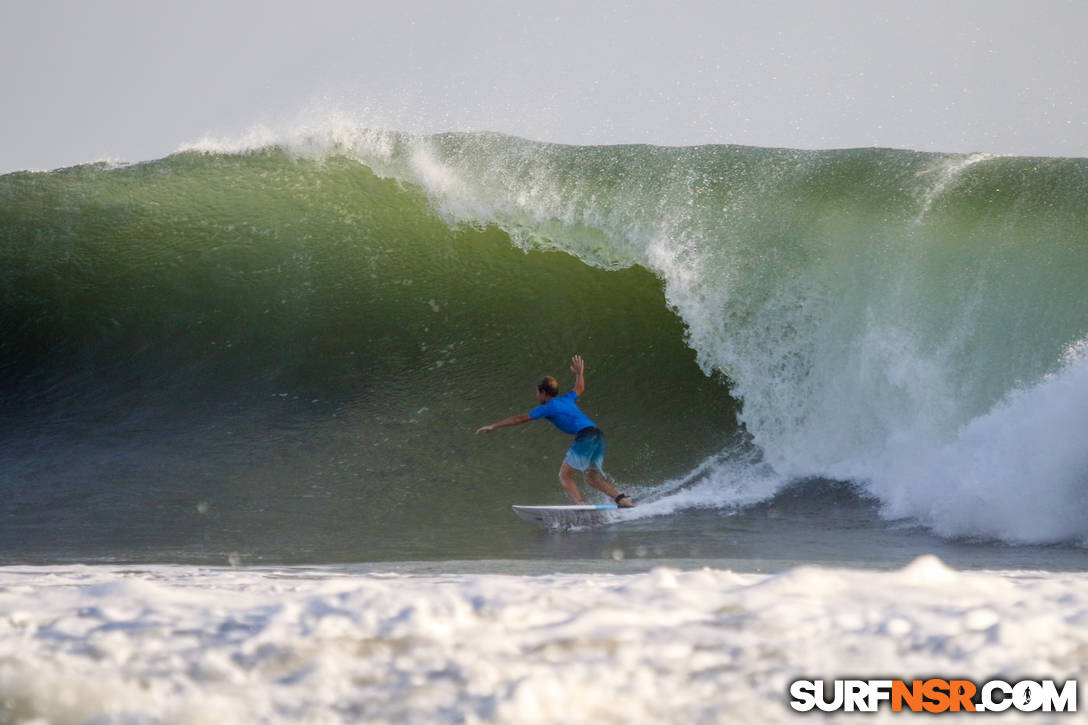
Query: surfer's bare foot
624	501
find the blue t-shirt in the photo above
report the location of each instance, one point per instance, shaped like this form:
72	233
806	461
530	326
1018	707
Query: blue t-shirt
563	413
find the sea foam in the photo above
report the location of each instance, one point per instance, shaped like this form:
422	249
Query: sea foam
188	645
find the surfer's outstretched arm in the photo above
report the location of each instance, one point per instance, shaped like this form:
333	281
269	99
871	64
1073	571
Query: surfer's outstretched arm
505	423
578	367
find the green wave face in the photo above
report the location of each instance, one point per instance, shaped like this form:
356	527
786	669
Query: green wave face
213	350
303	337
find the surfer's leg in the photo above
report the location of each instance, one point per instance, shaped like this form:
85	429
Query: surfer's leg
566	480
592	450
599	482
594	478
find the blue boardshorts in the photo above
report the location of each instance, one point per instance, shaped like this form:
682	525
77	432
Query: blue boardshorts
587	450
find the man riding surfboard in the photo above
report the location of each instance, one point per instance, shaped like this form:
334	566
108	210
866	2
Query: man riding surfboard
586	453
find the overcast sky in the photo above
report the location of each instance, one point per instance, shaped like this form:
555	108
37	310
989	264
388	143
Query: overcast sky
135	79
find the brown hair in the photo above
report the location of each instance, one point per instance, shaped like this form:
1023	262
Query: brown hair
548	385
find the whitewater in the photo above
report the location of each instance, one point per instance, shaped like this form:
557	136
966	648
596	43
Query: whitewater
186	645
239	483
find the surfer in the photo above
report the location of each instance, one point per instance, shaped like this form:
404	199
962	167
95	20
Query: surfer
586	453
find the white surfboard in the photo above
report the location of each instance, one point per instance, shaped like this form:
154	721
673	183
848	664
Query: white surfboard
565	516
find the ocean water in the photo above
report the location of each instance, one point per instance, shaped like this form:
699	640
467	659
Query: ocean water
239	385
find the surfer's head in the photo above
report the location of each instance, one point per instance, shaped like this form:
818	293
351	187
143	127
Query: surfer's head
547	388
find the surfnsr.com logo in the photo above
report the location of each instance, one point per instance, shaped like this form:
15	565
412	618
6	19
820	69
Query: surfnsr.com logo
933	695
